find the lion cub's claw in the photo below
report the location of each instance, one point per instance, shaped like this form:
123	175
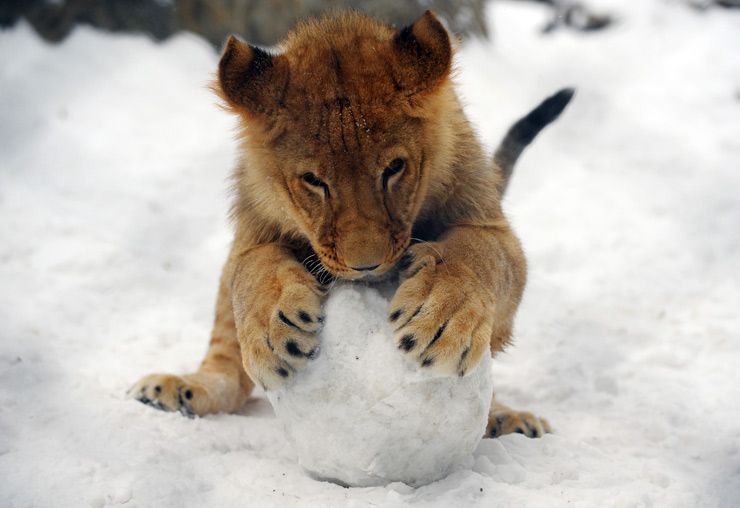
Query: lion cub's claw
516	422
168	393
439	313
290	340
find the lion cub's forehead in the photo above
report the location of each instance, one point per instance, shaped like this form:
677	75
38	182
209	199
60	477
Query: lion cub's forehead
340	133
348	57
346	82
341	95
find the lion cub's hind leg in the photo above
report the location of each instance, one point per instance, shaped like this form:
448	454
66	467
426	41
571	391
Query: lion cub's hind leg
504	420
219	386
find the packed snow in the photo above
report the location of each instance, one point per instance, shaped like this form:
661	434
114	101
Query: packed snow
113	202
362	414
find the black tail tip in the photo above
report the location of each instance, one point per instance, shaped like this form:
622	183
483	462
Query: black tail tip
551	107
526	129
567	93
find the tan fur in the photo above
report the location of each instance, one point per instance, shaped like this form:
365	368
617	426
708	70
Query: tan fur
503	420
321	123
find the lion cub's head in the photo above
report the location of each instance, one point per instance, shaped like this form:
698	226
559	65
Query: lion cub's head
341	130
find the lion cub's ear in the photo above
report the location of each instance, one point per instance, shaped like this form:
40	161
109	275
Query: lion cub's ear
251	80
423	54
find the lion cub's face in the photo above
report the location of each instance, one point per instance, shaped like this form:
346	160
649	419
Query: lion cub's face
339	129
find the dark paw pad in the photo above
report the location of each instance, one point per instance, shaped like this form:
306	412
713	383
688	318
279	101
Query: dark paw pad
292	348
460	367
288	322
532	430
407	343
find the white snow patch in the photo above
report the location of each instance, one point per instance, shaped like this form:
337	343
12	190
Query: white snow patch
113	167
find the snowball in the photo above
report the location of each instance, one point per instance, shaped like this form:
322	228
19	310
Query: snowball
361	414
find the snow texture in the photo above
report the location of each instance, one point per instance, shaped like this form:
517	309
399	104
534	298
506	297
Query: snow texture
113	205
363	415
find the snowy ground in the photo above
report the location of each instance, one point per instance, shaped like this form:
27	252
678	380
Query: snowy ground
113	162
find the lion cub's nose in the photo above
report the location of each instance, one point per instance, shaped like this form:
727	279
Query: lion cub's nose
363	248
364	268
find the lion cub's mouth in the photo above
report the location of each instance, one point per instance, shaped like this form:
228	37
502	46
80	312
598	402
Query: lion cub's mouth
374	278
366	277
380	273
326	265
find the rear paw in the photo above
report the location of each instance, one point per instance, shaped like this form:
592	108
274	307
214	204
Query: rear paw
169	393
516	422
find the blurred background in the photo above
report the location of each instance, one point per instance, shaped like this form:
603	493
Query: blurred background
265	22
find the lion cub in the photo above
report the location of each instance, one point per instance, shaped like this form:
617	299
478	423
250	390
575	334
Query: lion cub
356	158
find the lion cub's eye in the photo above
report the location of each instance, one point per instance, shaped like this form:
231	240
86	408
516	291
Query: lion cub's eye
395	167
314	181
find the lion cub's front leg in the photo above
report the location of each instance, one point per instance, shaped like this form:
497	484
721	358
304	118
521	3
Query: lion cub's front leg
267	316
277	306
220	383
459	297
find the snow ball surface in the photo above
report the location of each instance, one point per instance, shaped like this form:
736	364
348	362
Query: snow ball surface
363	415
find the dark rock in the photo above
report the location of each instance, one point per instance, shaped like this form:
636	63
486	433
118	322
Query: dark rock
575	16
706	4
257	21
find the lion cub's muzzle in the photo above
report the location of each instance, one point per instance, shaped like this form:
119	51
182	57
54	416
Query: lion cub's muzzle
365	251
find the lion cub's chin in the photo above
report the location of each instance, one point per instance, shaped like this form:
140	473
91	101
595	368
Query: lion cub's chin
373	278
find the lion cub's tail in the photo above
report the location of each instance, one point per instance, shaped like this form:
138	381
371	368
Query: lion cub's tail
524	131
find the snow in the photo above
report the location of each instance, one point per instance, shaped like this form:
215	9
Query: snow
113	203
361	414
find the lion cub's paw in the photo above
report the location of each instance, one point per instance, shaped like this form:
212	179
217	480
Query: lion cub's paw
516	422
439	314
171	393
272	353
